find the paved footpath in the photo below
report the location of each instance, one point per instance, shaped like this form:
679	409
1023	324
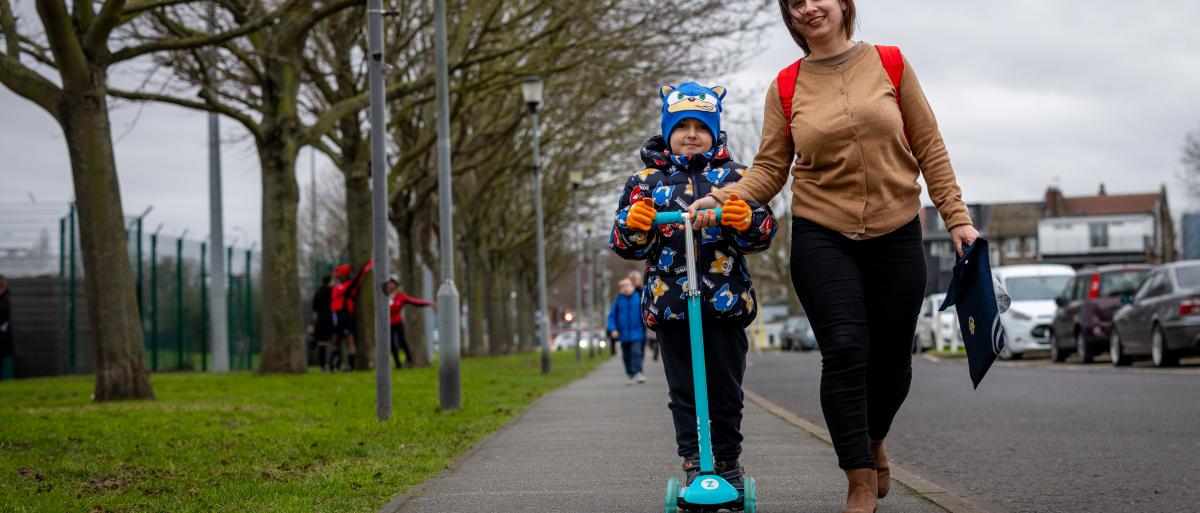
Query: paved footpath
597	445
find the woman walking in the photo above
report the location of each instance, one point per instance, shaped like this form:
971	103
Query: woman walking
855	141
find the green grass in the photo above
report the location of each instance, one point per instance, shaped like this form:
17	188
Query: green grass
241	442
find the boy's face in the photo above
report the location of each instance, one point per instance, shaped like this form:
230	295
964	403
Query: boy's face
690	137
626	287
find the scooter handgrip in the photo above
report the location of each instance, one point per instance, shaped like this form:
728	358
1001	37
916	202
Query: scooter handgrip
677	217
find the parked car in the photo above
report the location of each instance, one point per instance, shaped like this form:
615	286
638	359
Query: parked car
798	334
1027	323
1083	322
1161	319
942	333
566	339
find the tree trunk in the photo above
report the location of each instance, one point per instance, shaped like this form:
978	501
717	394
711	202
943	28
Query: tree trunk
108	280
475	276
282	339
525	319
358	217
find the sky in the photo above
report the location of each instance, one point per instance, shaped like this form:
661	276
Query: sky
1027	94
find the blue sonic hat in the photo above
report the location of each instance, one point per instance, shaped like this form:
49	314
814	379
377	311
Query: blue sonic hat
691	100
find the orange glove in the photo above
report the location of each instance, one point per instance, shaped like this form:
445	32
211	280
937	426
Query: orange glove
641	215
736	214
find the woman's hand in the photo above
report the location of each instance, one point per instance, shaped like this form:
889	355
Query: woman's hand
708	203
963	234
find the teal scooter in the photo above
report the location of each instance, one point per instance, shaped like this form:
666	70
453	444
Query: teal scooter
708	491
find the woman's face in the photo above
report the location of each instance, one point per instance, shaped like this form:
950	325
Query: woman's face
391	287
690	137
818	20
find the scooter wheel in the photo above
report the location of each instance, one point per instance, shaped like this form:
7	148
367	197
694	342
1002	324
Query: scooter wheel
671	504
750	498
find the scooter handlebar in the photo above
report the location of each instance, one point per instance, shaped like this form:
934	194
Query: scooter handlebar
677	216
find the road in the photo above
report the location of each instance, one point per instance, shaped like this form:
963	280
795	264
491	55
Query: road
1035	437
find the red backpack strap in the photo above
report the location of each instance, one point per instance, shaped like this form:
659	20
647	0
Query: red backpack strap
786	83
893	64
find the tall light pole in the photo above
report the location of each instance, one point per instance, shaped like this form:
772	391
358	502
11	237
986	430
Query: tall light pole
218	327
383	371
591	296
576	181
448	314
531	89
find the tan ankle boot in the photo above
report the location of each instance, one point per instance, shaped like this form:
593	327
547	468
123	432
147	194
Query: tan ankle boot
883	469
863	488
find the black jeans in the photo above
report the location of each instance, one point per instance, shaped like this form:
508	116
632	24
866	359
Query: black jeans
725	346
863	298
399	343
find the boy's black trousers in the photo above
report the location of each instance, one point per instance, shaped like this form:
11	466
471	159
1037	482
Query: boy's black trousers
725	346
863	298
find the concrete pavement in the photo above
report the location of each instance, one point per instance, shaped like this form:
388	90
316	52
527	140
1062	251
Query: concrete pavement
597	445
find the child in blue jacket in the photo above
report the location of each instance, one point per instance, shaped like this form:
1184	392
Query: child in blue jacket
686	162
625	325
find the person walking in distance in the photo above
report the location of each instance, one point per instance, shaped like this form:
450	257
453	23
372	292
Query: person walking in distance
341	305
396	302
322	320
625	326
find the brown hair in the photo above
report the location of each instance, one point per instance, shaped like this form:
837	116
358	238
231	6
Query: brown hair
849	19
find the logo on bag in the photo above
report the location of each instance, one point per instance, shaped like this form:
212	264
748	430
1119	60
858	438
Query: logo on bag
971	324
709	484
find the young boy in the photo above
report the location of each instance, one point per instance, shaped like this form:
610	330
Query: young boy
625	325
686	162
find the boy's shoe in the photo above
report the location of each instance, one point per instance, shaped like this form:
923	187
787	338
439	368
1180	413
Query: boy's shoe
691	469
641	378
629	382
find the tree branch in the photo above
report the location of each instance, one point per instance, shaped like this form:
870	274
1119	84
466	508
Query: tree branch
60	32
296	32
208	106
8	26
30	85
96	37
197	40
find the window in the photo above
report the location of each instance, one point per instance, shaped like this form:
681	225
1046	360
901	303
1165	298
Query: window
1031	247
1032	288
1012	247
1115	283
1144	290
1188	276
1082	284
1098	234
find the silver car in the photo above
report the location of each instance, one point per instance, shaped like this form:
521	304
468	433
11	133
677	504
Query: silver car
1161	319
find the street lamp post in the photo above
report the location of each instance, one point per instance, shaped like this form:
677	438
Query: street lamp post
449	376
577	180
591	297
531	89
383	374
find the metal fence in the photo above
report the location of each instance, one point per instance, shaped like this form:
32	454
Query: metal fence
172	284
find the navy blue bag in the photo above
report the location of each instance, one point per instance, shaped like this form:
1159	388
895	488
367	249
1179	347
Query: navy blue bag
978	312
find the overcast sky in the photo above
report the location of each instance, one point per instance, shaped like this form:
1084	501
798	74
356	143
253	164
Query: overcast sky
1026	93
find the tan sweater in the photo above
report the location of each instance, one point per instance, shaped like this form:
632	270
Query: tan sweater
853	172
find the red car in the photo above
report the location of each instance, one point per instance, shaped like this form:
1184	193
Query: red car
1084	319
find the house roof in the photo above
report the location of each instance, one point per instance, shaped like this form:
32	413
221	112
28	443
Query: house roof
1014	219
1110	204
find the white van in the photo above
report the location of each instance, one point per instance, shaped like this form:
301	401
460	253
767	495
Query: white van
1033	289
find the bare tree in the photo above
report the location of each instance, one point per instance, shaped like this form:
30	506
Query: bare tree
1191	162
254	80
64	69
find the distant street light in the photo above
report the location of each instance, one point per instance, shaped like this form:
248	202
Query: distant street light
583	247
531	89
576	178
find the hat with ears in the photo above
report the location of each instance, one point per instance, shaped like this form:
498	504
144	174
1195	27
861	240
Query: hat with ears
691	100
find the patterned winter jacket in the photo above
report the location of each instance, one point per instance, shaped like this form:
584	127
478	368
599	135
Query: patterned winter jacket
674	181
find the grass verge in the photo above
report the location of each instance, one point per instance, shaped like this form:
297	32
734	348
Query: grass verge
241	442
